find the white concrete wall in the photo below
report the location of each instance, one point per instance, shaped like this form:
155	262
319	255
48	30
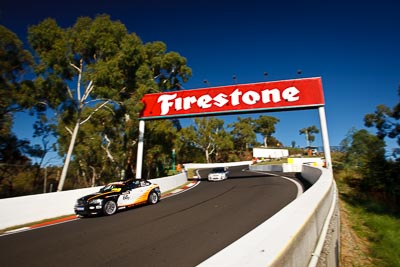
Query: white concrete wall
270	153
171	182
293	165
316	162
267	168
27	209
188	166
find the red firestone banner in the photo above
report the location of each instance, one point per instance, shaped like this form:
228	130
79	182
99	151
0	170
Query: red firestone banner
239	98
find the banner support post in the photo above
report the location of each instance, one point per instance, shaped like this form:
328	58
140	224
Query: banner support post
325	138
139	157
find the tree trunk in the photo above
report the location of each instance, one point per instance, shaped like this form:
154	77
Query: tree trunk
207	156
94	176
68	158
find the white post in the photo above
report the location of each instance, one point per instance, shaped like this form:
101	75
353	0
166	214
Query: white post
139	157
325	138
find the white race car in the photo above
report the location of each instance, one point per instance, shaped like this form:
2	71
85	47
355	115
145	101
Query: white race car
218	174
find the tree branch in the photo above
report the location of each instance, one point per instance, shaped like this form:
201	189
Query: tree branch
68	130
70	92
75	67
88	90
106	148
94	111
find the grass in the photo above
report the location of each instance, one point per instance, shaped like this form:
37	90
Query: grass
376	222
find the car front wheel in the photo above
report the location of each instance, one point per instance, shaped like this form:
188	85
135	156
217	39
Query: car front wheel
110	207
153	198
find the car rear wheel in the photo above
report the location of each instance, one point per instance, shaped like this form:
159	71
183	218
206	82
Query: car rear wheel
153	198
109	208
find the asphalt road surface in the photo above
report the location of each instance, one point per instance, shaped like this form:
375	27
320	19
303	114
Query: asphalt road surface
182	230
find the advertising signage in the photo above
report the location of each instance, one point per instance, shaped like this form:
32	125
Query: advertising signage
239	98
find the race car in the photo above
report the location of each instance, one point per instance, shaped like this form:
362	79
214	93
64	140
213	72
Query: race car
218	174
118	195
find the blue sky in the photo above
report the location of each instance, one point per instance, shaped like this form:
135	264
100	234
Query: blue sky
352	45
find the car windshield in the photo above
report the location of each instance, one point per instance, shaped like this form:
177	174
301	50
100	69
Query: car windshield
112	187
218	170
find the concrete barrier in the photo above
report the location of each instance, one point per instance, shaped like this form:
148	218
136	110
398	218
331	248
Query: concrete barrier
316	162
267	168
292	165
27	209
188	166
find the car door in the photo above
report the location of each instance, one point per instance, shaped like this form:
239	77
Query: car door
134	194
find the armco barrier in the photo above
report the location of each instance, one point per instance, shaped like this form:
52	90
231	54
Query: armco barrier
27	209
296	235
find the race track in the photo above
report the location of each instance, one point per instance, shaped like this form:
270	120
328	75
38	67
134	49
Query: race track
182	230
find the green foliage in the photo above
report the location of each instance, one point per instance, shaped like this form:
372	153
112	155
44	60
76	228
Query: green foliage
160	141
15	96
369	183
92	76
364	147
26	179
295	151
14	63
309	133
243	133
376	222
265	125
187	151
385	120
364	164
207	135
112	70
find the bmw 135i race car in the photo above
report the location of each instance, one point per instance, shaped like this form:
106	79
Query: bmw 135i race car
117	195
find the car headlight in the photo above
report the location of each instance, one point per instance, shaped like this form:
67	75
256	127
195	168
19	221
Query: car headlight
96	201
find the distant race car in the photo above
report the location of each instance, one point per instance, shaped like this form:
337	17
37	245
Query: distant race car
117	195
218	174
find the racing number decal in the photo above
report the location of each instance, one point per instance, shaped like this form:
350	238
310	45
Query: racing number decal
132	197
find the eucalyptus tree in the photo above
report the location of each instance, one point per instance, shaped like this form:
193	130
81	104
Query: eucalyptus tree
97	65
208	135
162	136
15	96
366	155
15	61
363	147
385	120
243	133
309	133
265	125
